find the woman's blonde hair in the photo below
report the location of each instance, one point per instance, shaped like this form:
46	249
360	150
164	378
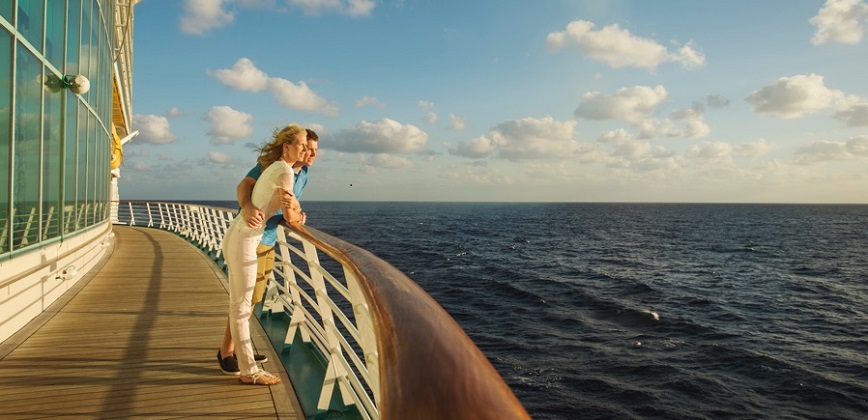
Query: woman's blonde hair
273	150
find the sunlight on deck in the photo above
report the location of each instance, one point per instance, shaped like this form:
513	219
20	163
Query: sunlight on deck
138	339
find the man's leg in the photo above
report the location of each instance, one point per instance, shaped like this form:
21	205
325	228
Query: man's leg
264	268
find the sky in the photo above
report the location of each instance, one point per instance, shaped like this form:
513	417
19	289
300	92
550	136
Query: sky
725	101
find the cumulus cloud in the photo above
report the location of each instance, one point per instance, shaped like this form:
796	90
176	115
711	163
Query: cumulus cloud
201	16
618	48
755	149
153	129
368	100
524	139
793	97
824	151
245	76
841	21
457	123
389	162
716	101
710	151
854	115
346	7
228	125
381	136
632	104
219	158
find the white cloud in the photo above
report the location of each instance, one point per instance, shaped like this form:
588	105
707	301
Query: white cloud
346	7
457	123
711	151
219	158
755	149
244	76
174	112
431	117
793	97
368	100
525	139
855	115
390	162
228	125
619	48
300	96
153	129
632	105
841	21
425	104
381	136
474	148
824	151
201	16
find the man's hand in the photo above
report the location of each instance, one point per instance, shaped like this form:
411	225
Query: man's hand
253	216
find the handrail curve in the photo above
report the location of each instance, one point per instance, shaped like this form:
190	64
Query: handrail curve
396	354
429	367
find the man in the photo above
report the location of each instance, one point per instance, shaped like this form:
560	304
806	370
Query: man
265	249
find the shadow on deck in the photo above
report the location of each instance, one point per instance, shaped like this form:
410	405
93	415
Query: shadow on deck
137	337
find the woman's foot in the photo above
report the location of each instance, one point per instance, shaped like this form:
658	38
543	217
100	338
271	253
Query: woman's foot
228	364
259	378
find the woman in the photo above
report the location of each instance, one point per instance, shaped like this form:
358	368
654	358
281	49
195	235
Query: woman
272	191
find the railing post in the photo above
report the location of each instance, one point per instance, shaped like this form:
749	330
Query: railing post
290	284
368	337
335	371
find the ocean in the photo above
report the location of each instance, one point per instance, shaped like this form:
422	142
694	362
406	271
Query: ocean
638	311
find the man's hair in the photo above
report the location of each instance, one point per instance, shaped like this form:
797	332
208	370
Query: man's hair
311	135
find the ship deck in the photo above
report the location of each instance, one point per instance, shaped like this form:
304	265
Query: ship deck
137	338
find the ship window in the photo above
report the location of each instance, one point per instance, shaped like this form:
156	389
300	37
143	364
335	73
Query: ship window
73	35
54	31
25	146
6	11
5	144
70	148
29	22
51	164
81	173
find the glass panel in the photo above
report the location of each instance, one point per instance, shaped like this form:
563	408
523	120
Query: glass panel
90	169
81	169
73	34
6	11
70	149
84	43
26	139
51	163
30	22
54	31
5	135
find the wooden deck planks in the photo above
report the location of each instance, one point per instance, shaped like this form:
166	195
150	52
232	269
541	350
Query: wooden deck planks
138	340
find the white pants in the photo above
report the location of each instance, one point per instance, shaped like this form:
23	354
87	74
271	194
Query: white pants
239	252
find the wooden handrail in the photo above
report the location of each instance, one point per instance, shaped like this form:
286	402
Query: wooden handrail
429	367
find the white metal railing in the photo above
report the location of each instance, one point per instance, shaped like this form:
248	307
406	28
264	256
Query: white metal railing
391	350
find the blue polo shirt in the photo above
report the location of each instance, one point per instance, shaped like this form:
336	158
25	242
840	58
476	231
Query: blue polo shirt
269	236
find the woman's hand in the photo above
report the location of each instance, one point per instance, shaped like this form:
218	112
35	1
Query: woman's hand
291	208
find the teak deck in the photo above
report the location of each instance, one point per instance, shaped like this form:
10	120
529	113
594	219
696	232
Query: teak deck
138	338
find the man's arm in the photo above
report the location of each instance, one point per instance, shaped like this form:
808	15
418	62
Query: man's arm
252	215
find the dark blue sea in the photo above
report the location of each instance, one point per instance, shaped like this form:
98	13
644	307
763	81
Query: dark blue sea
681	311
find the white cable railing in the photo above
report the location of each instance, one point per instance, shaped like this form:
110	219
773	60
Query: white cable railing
388	347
